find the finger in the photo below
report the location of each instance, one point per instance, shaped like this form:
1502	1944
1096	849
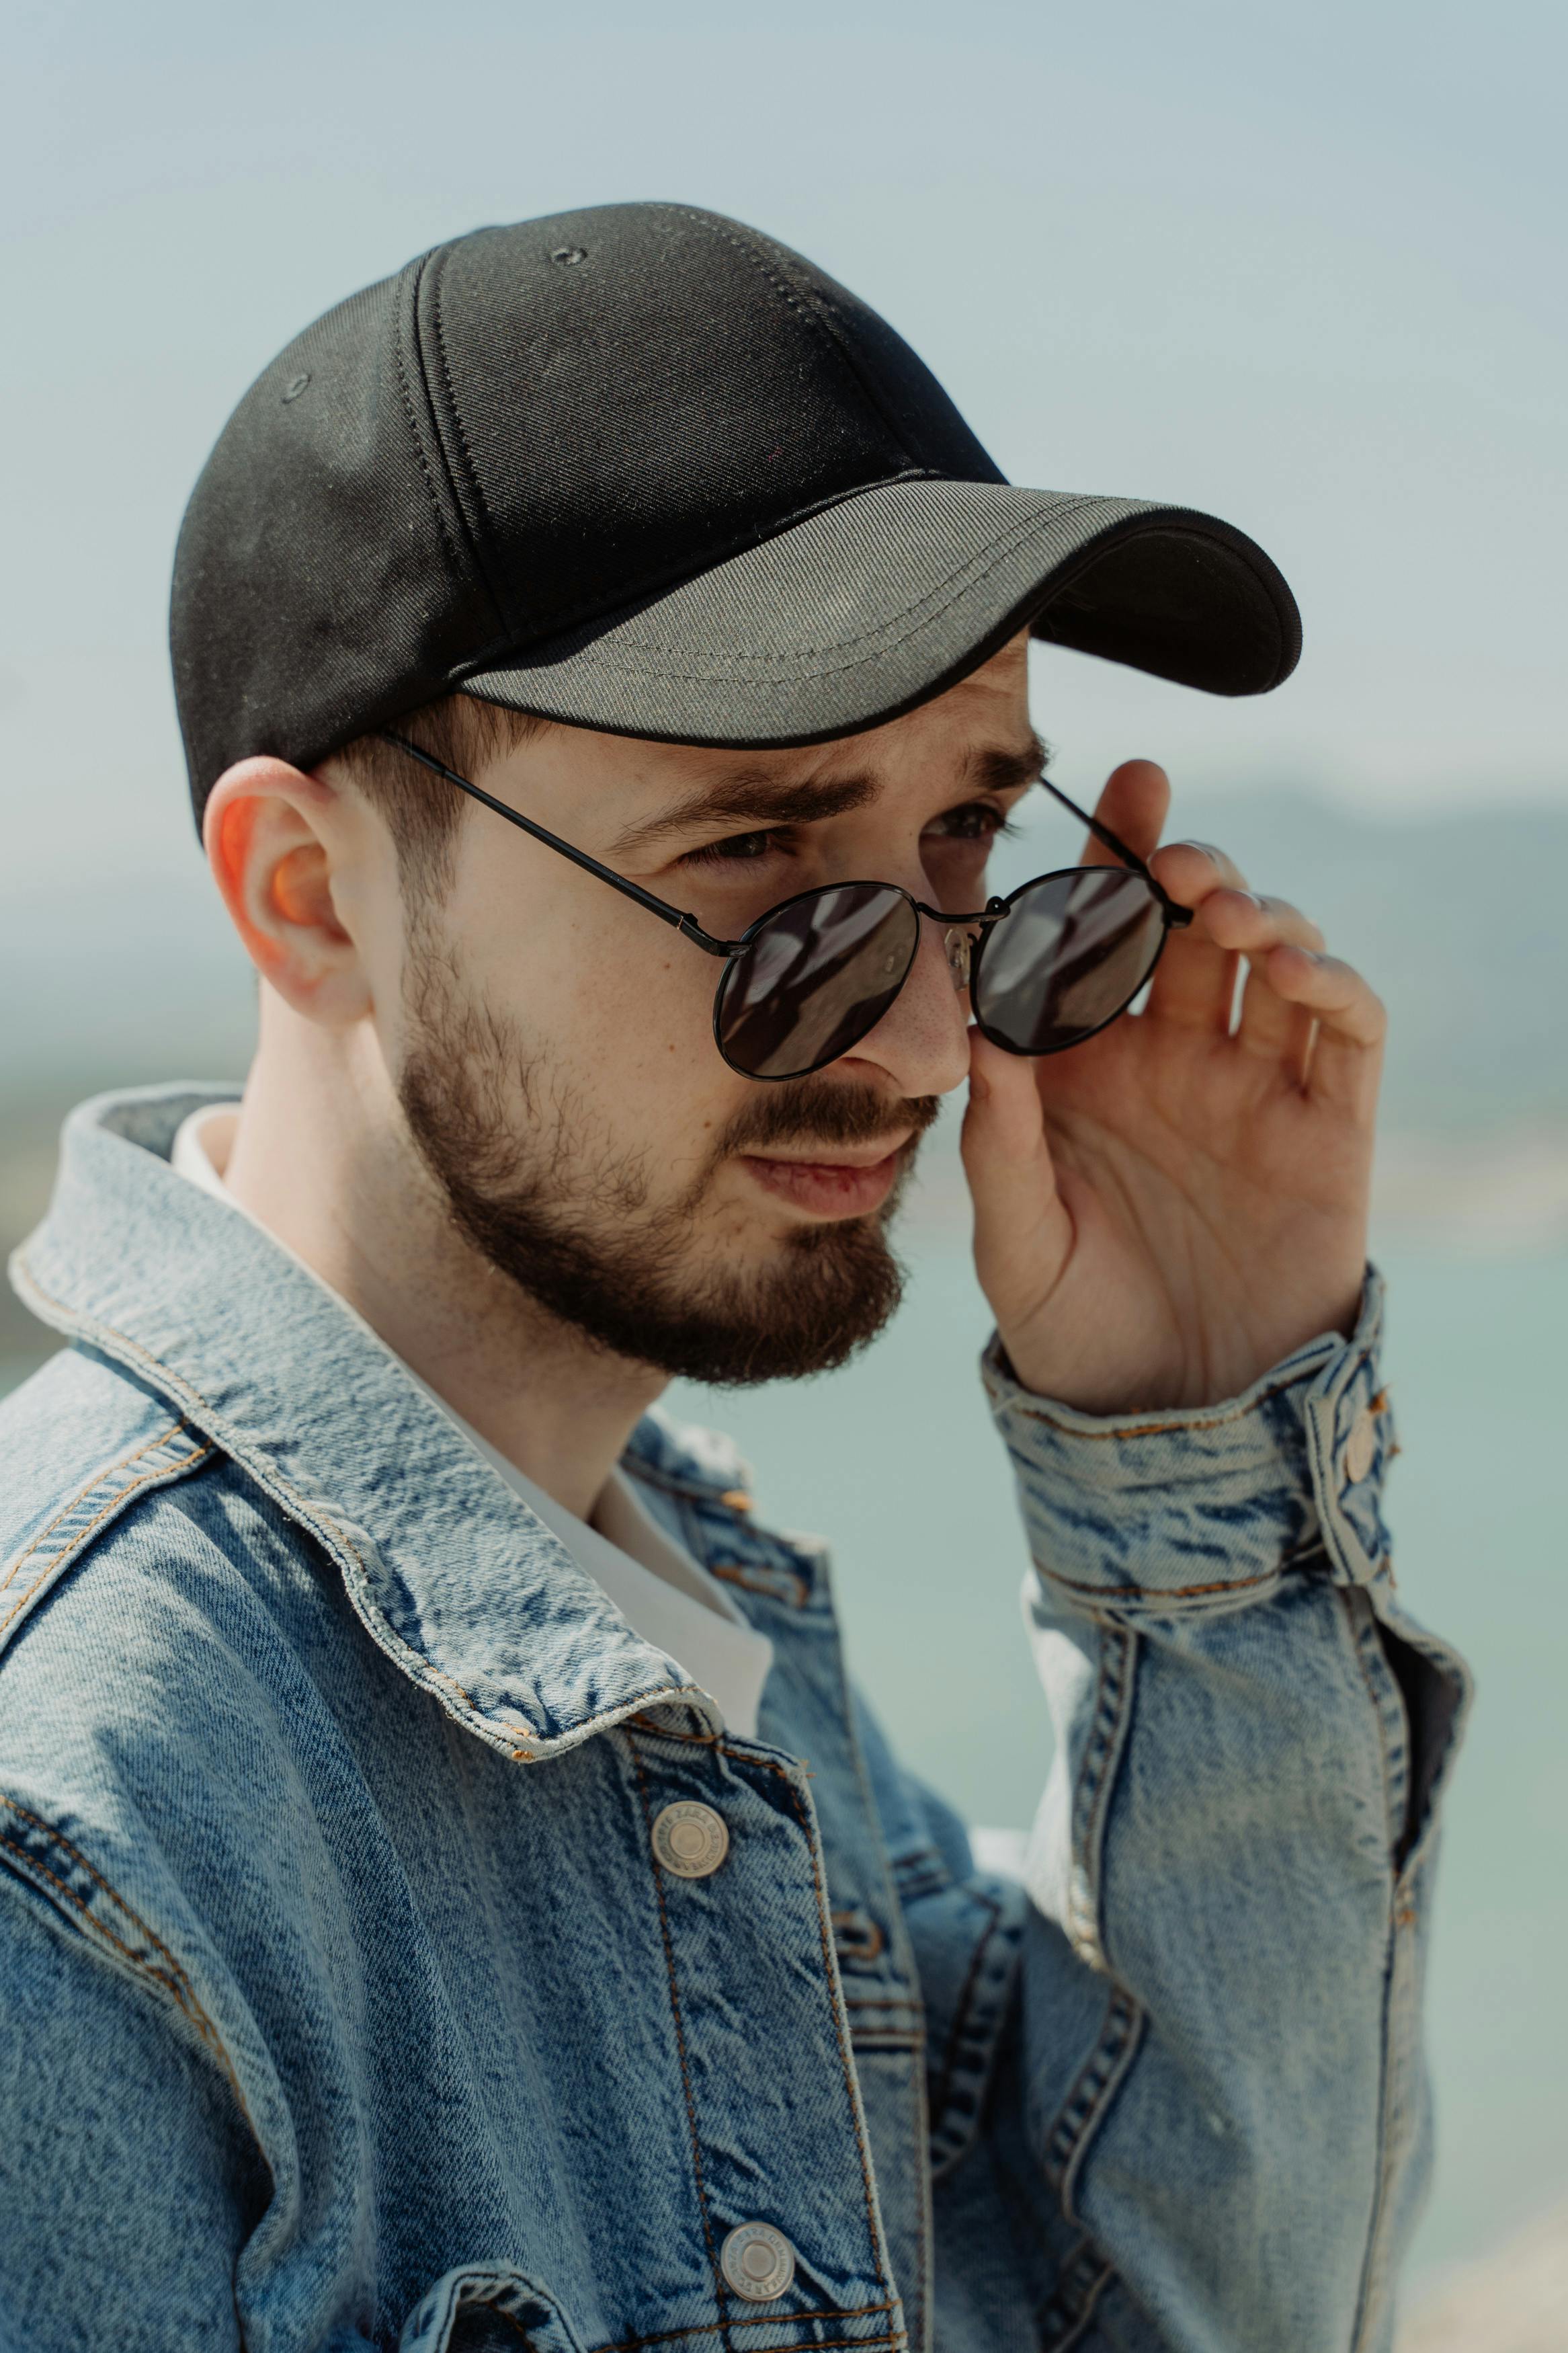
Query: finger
1194	981
1022	1233
1351	1025
1132	806
1271	1027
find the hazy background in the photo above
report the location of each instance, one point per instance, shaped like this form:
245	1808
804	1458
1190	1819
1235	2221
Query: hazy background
1302	267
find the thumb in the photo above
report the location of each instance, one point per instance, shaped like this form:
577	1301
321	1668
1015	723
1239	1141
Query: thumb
1023	1234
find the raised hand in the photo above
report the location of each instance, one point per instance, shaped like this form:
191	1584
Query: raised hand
1163	1213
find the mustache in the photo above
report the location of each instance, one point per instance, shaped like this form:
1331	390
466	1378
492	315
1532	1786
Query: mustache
811	1111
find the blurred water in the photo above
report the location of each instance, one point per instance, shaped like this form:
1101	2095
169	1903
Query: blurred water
895	1460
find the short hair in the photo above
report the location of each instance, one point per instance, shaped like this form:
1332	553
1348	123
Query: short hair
422	811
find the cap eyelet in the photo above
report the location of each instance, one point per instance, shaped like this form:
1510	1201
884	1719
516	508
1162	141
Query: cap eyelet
568	254
295	386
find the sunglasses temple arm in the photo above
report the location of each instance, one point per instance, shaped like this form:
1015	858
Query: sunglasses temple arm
687	925
1178	914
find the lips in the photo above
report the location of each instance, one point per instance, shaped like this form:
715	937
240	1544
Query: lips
828	1189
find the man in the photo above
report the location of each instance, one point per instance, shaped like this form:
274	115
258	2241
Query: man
452	1897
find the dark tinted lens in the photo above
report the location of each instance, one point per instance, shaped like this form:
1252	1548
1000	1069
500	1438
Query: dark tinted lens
819	975
1073	949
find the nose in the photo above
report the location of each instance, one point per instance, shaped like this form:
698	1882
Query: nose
921	1042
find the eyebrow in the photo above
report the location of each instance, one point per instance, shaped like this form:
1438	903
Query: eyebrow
755	798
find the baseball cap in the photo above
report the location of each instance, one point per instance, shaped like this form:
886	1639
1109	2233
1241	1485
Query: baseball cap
640	467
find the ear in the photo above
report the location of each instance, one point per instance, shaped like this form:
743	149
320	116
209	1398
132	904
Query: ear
277	842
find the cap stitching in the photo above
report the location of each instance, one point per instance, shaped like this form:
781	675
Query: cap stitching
407	408
461	560
1002	541
485	515
821	327
665	582
441	524
928	609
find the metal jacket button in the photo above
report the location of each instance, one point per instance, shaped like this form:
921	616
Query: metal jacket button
691	1841
758	2261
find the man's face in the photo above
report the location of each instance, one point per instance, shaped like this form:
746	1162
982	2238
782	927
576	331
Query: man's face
555	1058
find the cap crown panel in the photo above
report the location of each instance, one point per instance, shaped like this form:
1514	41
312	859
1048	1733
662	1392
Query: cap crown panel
682	390
318	499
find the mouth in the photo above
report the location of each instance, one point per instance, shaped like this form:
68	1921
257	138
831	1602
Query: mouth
847	1185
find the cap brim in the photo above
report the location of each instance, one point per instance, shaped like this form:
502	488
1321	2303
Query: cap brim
874	605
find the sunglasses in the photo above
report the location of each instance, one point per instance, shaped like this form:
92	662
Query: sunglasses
1045	969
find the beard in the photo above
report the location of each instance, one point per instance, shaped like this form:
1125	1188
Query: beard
575	1222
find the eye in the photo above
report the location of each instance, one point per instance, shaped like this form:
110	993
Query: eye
975	821
736	849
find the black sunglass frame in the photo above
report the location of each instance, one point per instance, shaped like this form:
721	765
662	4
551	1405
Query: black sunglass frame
1173	916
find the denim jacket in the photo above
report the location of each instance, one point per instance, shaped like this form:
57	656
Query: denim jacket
348	2003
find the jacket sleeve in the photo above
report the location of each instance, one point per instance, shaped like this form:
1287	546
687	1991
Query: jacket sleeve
1205	2123
117	2134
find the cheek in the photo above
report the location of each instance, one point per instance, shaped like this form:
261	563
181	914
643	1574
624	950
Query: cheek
627	1020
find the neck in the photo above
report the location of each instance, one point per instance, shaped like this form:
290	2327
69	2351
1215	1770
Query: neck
322	1158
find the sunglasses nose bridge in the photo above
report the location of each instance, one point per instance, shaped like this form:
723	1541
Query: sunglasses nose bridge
961	938
959	944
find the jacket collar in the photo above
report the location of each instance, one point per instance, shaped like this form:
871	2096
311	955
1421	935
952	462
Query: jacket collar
455	1578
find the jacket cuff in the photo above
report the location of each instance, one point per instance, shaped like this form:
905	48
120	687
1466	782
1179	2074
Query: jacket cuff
1208	1509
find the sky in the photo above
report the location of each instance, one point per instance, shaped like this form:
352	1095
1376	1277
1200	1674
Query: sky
1302	267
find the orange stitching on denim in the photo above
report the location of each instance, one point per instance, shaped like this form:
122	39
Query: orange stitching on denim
755	2320
679	2030
1100	1802
668	1732
60	1839
691	1491
1164	1429
112	1505
1362	1639
178	1985
866	1948
318	1512
1160	1592
776	2320
67	1508
961	2014
733	1573
830	1972
767	1766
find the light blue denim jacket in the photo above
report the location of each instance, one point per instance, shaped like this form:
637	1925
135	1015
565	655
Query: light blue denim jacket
345	2004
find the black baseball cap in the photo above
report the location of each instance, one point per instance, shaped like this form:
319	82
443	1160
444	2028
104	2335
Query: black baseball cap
640	469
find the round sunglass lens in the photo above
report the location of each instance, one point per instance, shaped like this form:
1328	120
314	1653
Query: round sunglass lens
817	977
1071	952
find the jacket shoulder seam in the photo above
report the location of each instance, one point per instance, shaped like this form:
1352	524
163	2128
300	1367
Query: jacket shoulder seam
171	1453
26	1839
